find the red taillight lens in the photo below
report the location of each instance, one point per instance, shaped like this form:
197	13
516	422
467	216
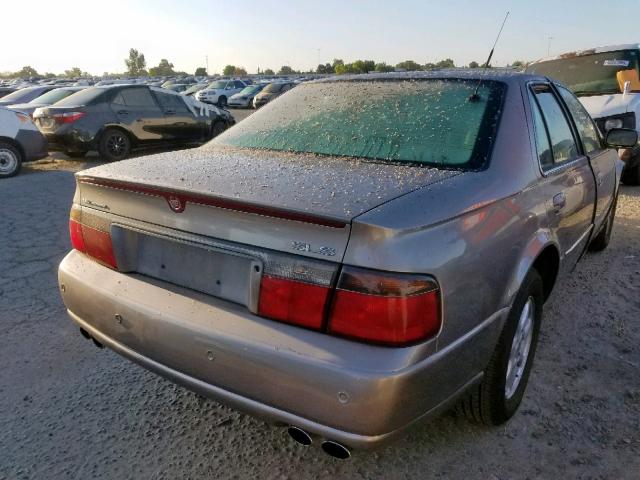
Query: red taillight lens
68	117
95	243
75	231
293	301
380	307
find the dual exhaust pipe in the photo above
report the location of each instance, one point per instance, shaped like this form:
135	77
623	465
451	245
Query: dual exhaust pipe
331	448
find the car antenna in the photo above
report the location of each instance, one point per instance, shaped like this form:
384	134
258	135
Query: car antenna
475	97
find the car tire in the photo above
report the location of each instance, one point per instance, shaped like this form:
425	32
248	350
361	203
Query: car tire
601	241
217	128
114	145
75	154
10	160
631	176
222	101
500	392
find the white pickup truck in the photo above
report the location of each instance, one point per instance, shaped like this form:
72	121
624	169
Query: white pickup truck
607	82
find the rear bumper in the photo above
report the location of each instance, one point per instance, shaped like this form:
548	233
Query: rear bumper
358	395
69	142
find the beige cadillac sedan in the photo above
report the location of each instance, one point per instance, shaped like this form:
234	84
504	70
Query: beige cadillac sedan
357	256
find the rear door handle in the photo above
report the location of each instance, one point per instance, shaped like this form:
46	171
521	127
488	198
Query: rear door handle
559	201
123	112
169	112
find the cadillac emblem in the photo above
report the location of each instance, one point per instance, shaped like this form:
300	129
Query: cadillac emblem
176	203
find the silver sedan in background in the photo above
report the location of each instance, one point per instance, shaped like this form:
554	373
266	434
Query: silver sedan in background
357	256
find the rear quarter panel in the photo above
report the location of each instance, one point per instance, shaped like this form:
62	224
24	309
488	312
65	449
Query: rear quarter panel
477	233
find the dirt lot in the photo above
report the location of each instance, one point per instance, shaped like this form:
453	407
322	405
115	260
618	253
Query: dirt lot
71	411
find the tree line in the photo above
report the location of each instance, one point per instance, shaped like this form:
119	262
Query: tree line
136	66
339	67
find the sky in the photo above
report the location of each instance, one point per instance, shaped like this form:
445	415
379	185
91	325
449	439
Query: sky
96	36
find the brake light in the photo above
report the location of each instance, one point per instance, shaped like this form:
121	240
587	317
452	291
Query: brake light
68	117
295	289
91	241
291	301
387	308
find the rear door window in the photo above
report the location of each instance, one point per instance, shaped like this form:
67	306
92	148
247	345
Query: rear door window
542	139
563	143
135	98
586	128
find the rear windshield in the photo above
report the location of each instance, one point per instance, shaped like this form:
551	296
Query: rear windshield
427	121
53	96
83	97
593	74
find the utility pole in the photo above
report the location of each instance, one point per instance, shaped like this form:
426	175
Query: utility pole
549	46
207	61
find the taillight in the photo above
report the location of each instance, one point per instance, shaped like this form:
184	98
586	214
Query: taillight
386	308
293	302
68	117
296	290
371	306
92	241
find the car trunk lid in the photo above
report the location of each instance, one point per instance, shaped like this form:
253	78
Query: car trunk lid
281	201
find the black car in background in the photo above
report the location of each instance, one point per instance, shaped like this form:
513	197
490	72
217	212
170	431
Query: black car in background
115	119
25	95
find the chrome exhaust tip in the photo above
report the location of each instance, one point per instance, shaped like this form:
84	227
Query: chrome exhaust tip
300	436
335	450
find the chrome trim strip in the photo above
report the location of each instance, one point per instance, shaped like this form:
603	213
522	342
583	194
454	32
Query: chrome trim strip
579	241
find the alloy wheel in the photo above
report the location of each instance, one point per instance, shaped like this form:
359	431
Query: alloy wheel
117	145
520	348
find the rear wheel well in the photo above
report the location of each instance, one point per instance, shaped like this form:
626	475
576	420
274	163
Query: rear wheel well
547	265
12	142
132	138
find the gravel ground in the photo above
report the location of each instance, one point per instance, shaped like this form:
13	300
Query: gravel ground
71	411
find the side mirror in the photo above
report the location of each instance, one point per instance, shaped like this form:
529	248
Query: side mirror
621	138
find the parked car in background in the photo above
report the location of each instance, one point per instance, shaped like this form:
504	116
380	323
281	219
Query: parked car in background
193	89
218	92
25	95
244	98
49	98
20	141
598	77
116	119
271	91
179	87
4	91
350	271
